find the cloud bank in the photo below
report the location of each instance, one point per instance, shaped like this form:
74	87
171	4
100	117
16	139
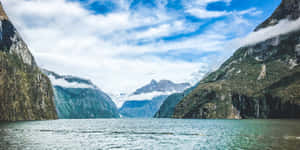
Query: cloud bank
121	99
282	27
64	83
125	47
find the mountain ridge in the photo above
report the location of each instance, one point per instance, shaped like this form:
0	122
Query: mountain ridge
258	81
161	86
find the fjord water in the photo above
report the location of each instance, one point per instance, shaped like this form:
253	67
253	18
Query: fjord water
151	134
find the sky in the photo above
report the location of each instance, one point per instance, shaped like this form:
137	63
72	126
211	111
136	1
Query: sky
121	45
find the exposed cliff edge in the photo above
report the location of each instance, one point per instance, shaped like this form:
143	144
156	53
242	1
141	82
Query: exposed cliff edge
78	98
25	92
259	81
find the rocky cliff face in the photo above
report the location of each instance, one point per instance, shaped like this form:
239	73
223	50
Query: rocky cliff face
79	98
25	92
258	81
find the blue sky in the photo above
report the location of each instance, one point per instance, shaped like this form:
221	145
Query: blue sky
258	11
122	44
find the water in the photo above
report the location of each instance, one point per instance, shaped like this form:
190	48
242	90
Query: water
151	134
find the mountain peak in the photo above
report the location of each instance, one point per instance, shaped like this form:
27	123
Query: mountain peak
161	86
11	41
3	15
288	9
153	82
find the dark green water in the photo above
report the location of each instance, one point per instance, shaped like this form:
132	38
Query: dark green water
160	134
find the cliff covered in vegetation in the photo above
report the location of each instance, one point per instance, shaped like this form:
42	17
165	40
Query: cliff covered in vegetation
25	92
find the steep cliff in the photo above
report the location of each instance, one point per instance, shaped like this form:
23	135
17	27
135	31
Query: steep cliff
77	98
25	92
261	80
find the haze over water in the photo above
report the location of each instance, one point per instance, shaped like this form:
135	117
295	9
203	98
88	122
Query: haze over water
150	134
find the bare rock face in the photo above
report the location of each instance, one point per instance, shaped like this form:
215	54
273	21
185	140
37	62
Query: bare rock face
258	81
25	92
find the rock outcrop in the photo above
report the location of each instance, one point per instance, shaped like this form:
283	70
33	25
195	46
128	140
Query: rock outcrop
25	92
78	98
258	81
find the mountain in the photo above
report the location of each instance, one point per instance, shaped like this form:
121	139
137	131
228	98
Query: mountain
79	98
25	92
167	108
161	86
146	101
142	109
260	80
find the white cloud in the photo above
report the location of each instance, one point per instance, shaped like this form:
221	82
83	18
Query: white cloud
205	2
283	27
121	99
251	11
64	83
198	9
165	30
202	13
68	39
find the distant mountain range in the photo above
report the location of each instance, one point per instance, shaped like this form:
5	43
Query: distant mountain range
161	86
79	98
145	101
